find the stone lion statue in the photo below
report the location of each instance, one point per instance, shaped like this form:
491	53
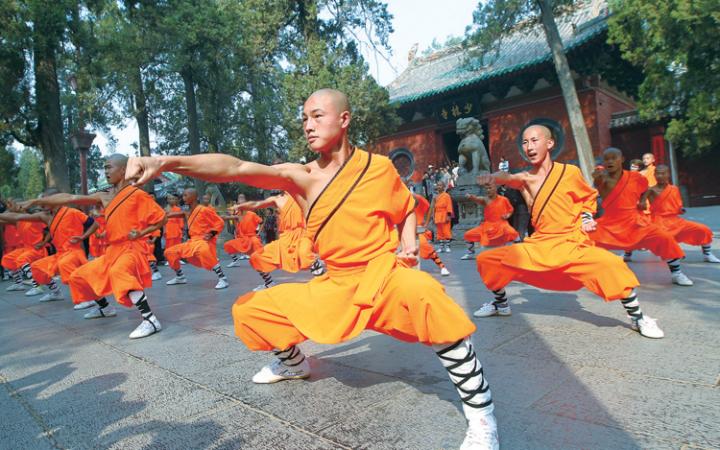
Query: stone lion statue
473	157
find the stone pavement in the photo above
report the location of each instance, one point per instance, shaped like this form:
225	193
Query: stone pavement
565	369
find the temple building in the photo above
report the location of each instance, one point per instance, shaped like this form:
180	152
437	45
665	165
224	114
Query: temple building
515	85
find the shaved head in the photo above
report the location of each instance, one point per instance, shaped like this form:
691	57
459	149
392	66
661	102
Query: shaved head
547	132
117	159
337	98
190	193
613	151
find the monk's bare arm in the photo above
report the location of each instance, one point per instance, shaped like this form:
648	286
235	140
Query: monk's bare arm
221	168
477	199
502	178
89	232
66	199
270	202
407	229
135	234
174	214
13	218
642	203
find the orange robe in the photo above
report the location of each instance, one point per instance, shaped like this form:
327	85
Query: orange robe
174	229
649	174
150	245
559	256
31	234
11	238
292	251
197	251
124	266
422	206
666	210
97	244
246	238
624	227
442	215
365	287
494	230
66	223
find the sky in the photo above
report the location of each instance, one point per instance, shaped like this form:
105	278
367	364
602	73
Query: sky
414	21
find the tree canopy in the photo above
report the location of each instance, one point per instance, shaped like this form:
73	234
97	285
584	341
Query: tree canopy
677	45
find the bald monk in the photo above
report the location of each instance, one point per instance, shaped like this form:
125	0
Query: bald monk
426	250
98	240
33	246
495	230
207	201
123	270
442	213
292	251
559	255
175	225
623	226
246	240
353	203
648	160
204	225
68	228
10	241
666	207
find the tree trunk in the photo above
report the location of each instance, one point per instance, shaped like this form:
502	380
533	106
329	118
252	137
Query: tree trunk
567	85
47	104
192	120
260	129
141	113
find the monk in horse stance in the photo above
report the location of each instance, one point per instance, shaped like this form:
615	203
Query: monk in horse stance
353	202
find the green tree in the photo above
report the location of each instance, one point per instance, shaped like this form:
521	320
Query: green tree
30	175
677	45
495	18
8	169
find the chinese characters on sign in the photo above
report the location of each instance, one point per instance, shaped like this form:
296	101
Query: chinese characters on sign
458	108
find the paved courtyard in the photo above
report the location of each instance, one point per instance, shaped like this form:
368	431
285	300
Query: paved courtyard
565	369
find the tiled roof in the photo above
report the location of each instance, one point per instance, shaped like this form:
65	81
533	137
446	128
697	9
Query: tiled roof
451	69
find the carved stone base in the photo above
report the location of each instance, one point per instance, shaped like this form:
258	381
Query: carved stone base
470	214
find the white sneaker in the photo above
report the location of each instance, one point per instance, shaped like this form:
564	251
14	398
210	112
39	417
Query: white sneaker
481	433
444	272
177	280
681	279
98	312
467	256
16	287
710	258
148	326
222	283
52	296
243	256
261	287
447	249
34	291
317	268
490	309
234	264
648	327
84	305
182	262
277	371
156	276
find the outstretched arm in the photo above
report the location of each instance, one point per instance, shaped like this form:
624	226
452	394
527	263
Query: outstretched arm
511	180
221	168
12	218
477	199
65	199
270	202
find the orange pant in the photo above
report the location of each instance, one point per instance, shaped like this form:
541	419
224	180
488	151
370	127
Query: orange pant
411	306
598	270
63	263
198	252
659	242
694	233
17	258
426	250
172	242
243	244
118	271
443	231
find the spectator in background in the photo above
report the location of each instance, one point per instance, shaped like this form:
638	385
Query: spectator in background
427	185
269	226
504	164
635	165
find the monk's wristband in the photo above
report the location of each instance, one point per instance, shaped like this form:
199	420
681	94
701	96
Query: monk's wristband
586	217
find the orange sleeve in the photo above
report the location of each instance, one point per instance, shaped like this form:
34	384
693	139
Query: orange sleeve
215	222
582	192
401	202
507	206
151	212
